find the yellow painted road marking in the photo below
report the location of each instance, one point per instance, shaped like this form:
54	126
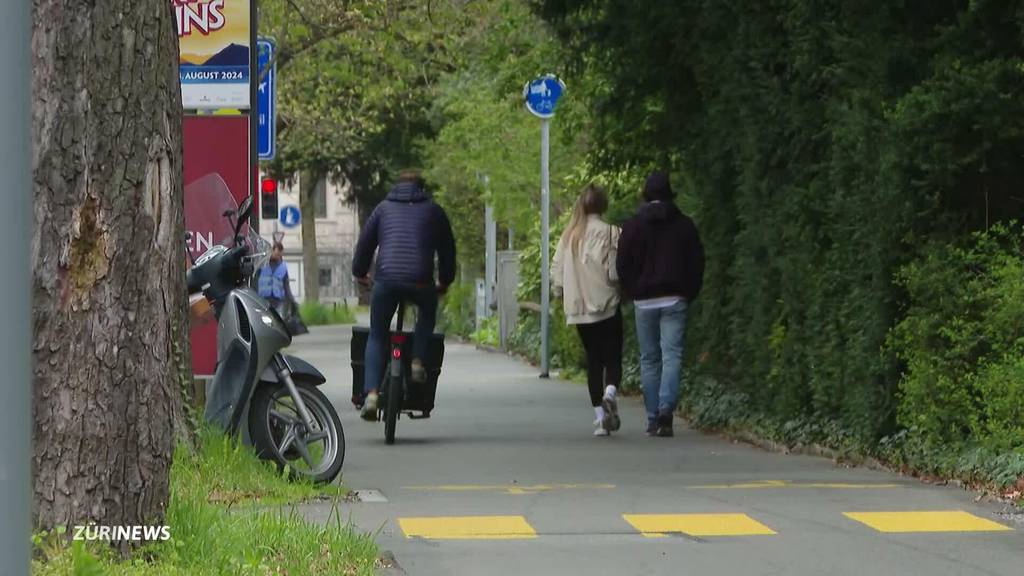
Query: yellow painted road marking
509	488
467	528
787	484
932	521
657	525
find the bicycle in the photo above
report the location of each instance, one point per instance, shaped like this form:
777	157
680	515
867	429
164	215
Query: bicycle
397	393
392	389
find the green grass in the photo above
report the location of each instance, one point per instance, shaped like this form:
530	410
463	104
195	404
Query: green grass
218	529
317	314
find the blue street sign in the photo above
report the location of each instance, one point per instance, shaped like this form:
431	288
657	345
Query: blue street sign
541	95
290	216
266	100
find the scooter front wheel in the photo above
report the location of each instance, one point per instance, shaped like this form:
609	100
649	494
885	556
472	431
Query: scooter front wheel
279	433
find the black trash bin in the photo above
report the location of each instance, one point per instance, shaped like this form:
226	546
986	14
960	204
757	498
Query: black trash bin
418	397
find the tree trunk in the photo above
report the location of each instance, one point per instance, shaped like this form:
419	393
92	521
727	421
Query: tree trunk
108	260
308	181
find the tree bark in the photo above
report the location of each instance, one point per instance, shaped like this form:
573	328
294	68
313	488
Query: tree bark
308	180
108	256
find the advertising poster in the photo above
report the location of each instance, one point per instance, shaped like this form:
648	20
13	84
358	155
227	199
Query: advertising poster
214	48
216	178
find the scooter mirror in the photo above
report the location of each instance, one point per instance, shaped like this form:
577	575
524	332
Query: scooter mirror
245	210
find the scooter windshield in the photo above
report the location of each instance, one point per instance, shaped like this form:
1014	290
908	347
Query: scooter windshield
258	249
206	200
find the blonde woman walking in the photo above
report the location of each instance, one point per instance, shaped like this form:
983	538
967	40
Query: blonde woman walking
583	271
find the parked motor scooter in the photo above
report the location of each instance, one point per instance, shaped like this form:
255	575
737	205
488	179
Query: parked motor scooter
276	396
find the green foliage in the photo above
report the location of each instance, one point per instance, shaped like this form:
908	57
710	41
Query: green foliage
487	334
485	132
1001	385
209	539
458	311
962	340
356	82
319	314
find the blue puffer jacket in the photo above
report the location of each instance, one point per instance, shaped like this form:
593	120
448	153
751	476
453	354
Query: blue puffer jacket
408	228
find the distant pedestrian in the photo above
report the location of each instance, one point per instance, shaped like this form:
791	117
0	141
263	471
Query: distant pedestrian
661	266
584	272
272	281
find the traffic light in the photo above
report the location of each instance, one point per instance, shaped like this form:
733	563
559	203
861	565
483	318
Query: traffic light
268	199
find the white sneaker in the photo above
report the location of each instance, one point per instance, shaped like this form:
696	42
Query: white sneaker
611	420
600	431
369	412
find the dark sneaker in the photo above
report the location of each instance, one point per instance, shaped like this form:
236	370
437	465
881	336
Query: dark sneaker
664	425
369	412
652	429
419	373
611	421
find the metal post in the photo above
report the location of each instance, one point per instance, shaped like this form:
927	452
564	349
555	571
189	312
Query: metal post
15	293
490	268
545	255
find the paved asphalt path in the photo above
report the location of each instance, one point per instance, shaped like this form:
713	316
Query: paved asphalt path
506	478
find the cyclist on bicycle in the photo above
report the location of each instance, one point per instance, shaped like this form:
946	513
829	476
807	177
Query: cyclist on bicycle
407	229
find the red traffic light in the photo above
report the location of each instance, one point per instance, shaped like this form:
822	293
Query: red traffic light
268	186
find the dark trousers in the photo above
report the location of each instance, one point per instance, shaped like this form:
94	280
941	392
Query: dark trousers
383	305
602	342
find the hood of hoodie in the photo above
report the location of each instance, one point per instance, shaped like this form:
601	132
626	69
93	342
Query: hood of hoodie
407	192
658	211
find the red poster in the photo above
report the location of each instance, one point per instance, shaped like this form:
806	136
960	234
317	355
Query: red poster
216	178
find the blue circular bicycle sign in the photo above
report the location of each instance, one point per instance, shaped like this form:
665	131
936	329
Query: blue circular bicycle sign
290	216
542	94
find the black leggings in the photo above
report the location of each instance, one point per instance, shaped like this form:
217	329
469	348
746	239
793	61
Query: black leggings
602	342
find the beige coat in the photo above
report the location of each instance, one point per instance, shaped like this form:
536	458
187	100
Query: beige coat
588	281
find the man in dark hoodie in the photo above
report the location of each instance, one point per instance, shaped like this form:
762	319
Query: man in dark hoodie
407	229
661	267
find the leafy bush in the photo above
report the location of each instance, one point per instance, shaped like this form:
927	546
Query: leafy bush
319	314
487	334
962	340
458	311
1001	384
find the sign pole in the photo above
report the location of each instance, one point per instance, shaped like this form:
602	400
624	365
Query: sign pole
15	352
541	95
490	264
545	253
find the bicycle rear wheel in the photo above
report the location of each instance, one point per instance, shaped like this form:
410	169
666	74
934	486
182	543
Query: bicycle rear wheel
392	408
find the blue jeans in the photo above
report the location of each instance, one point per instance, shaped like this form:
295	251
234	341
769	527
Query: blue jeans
383	305
659	332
